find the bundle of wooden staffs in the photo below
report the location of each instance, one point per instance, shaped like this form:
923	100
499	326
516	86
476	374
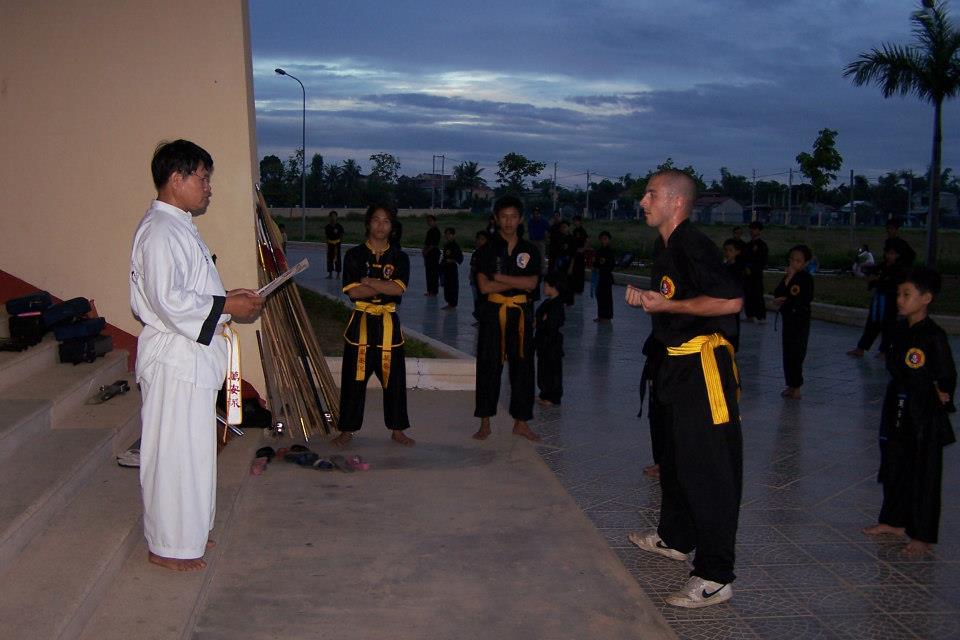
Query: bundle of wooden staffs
301	391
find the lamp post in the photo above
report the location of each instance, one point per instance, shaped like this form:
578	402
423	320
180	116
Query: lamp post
303	163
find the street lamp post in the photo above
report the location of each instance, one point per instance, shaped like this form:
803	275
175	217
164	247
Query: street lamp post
303	163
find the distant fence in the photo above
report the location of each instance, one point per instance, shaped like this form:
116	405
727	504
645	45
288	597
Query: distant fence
323	212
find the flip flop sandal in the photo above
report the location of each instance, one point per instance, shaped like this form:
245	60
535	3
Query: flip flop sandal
298	448
341	463
323	465
265	452
302	458
358	463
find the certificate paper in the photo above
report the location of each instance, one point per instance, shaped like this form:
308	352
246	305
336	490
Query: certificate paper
272	286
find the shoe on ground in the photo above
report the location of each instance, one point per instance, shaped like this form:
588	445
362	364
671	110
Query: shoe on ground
651	542
129	458
698	593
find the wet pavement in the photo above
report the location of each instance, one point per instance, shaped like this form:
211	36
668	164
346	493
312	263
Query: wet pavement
804	569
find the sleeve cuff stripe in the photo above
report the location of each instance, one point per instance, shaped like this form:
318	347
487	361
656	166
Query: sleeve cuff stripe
210	324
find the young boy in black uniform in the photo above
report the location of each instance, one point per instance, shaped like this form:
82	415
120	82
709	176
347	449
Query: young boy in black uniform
549	342
375	275
603	261
793	295
508	274
693	305
914	426
450	268
733	262
334	233
882	315
755	261
479	240
580	236
431	256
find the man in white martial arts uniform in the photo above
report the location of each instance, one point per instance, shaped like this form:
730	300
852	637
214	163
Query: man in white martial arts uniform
182	357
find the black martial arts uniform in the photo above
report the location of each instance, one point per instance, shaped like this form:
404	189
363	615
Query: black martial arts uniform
915	427
735	269
603	261
450	266
431	260
334	233
755	258
795	324
367	348
564	265
505	330
701	468
579	263
550	317
657	414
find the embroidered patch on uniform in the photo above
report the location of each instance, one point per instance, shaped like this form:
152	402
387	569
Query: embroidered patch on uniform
387	271
522	260
667	288
795	290
916	358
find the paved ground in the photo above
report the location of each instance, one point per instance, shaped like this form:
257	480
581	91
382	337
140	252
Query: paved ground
804	569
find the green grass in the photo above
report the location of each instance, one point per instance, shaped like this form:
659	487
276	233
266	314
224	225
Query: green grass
329	318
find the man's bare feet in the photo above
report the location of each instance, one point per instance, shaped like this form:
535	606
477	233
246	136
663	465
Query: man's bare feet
791	392
916	548
856	353
211	544
343	439
400	437
484	431
652	471
881	529
177	564
544	403
520	428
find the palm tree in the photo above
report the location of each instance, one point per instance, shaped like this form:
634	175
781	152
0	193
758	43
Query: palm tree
466	178
929	69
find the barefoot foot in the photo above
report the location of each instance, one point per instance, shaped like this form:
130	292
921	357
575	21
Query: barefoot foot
400	437
211	544
881	529
916	549
544	403
793	393
520	428
652	471
484	431
343	439
856	353
177	564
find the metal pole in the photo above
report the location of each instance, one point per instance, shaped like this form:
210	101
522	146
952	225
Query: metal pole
303	160
554	187
790	198
443	176
753	197
853	211
587	212
433	178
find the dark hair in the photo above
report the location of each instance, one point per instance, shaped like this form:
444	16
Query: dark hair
430	216
372	209
566	222
333	213
802	248
480	233
556	281
893	222
508	202
605	234
756	224
925	279
450	230
179	156
735	229
578	218
732	242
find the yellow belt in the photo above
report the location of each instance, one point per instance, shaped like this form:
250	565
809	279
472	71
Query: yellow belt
386	346
512	302
704	345
333	241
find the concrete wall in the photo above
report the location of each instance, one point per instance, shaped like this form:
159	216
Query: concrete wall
323	212
87	90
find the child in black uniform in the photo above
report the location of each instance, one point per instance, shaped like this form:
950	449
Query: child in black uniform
603	263
375	275
793	295
549	342
333	231
914	426
479	240
450	268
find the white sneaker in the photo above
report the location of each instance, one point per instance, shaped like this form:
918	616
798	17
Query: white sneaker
699	593
651	542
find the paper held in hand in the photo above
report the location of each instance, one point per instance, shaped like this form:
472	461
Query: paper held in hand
272	286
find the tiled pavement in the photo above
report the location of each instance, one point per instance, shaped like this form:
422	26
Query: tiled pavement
804	569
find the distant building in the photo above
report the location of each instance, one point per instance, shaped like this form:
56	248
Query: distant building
920	207
716	209
434	182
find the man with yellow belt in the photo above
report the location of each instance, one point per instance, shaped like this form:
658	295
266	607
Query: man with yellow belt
693	303
375	275
508	274
333	230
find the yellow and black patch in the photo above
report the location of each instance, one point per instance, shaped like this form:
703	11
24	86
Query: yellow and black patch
915	358
667	288
795	290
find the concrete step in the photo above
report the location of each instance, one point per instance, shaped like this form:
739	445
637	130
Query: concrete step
146	601
21	421
16	366
57	580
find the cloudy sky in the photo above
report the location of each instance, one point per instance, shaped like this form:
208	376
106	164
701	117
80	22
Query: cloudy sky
610	86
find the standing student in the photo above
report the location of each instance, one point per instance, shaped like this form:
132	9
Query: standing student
334	233
375	275
882	315
538	231
733	263
450	267
692	306
182	357
549	341
578	270
914	425
564	262
508	273
793	296
479	240
755	259
431	256
603	261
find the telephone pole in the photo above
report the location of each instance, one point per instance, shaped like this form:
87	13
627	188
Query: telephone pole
587	212
554	187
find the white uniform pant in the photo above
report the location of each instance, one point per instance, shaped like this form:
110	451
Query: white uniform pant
178	464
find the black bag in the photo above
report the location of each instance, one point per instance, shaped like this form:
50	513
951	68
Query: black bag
83	328
33	302
77	350
66	311
28	327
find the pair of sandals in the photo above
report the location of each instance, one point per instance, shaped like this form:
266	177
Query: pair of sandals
304	457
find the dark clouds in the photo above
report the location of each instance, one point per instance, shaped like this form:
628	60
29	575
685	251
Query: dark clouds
612	86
